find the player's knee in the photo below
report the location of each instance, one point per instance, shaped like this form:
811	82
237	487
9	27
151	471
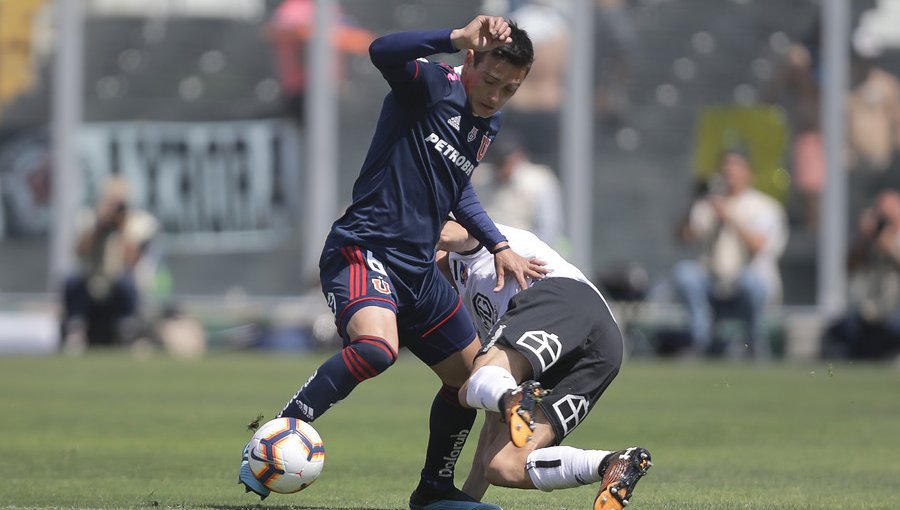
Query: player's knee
368	356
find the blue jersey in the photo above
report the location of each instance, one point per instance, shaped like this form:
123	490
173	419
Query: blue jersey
426	145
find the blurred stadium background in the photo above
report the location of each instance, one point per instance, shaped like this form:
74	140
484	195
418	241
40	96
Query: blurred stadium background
185	100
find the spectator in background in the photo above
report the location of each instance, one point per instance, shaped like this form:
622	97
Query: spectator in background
534	110
871	327
873	115
290	30
796	88
615	41
520	193
873	120
547	24
101	301
743	233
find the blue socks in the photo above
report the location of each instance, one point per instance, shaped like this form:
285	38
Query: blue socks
449	426
363	358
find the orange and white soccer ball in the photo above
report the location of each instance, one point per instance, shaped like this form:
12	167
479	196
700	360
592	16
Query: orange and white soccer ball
286	455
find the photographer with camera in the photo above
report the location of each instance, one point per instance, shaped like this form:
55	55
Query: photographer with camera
742	233
871	327
101	300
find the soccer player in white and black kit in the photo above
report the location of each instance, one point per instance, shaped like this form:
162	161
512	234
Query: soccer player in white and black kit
558	335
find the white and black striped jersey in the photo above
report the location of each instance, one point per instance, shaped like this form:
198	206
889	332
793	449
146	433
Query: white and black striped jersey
475	277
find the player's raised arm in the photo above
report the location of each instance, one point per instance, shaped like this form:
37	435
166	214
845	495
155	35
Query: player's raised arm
395	54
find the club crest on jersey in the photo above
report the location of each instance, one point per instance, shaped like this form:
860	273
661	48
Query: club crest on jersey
472	134
484	310
485	143
381	286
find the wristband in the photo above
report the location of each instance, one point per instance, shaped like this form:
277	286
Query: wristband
498	250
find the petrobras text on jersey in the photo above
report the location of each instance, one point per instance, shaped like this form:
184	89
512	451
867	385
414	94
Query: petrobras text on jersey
450	152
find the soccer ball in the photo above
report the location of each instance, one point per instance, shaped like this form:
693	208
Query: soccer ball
286	455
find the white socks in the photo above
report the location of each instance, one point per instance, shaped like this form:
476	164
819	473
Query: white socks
556	467
487	385
563	467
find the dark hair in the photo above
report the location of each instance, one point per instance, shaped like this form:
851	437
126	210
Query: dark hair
736	148
519	52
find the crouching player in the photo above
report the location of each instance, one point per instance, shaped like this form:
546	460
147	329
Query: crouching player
548	354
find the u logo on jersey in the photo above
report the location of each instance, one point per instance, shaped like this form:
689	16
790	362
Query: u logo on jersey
485	143
381	286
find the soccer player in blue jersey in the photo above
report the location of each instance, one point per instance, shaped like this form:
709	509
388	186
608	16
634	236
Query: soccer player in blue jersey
377	268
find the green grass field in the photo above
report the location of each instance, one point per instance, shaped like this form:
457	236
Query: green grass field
110	431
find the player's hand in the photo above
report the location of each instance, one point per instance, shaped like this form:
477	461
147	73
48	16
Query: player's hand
508	262
483	33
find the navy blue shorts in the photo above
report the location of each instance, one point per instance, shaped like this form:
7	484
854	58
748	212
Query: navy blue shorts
431	321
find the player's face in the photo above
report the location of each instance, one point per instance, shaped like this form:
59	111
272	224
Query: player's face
491	83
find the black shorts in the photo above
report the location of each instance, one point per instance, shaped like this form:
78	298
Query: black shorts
568	334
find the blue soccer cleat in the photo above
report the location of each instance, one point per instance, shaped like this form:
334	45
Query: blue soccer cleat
451	499
246	477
